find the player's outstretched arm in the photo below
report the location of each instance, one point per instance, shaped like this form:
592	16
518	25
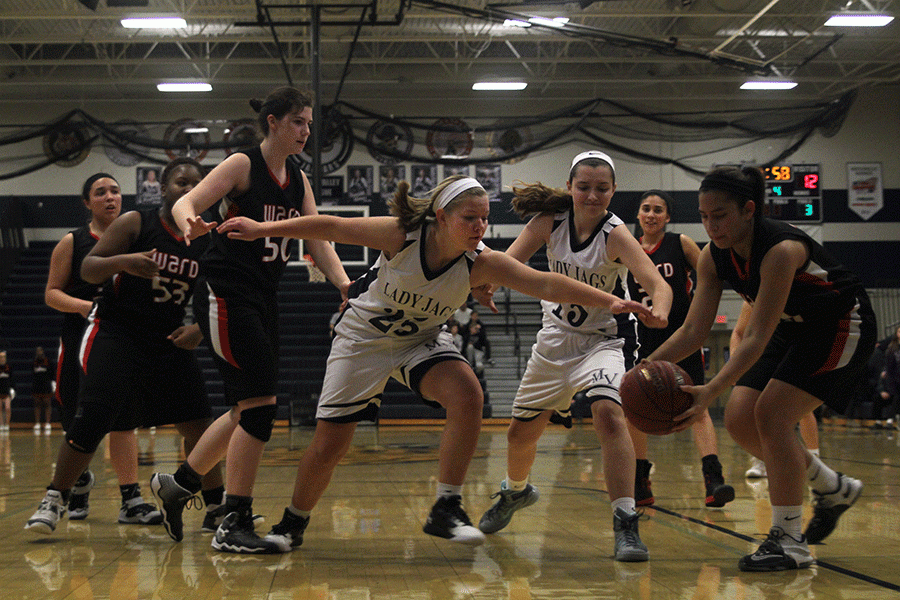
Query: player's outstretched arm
497	267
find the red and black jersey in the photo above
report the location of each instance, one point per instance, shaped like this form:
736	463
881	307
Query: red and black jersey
84	241
259	264
669	258
154	305
822	288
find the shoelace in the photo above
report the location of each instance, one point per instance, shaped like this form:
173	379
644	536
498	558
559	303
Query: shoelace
627	528
195	502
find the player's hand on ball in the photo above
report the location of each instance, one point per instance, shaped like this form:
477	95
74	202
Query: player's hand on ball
697	409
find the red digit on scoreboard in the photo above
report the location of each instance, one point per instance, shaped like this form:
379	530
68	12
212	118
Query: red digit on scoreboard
811	181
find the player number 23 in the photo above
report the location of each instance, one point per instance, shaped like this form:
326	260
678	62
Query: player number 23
394	322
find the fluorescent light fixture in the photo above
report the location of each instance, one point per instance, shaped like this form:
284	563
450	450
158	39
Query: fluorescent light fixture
769	85
154	23
196	130
184	87
858	20
516	23
499	85
555	22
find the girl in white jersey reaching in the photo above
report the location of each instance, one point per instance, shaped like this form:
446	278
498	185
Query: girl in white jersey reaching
393	326
580	348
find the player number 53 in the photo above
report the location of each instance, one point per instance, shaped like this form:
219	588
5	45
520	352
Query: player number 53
166	288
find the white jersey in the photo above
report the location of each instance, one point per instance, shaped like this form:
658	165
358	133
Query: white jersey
392	327
579	348
402	298
587	262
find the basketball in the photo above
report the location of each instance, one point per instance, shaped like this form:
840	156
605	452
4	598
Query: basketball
651	397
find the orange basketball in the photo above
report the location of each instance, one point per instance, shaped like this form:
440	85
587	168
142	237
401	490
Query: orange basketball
651	395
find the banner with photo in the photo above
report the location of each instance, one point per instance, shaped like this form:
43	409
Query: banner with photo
865	195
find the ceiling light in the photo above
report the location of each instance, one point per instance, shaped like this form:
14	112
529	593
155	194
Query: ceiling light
769	85
154	23
196	130
858	20
555	22
516	23
499	85
184	87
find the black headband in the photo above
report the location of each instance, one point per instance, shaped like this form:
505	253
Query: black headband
716	181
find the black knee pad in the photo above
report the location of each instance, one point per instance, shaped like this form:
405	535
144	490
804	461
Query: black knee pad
258	421
91	424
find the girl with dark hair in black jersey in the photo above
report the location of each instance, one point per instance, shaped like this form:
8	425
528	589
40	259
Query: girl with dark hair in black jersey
807	342
71	295
675	256
236	306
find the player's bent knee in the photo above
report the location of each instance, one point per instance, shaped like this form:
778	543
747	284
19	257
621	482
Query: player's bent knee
258	421
85	442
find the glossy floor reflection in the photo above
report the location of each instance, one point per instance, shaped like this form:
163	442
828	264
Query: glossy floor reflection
365	539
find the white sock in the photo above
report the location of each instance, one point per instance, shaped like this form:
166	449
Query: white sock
789	518
445	489
297	512
516	486
822	478
626	504
814	452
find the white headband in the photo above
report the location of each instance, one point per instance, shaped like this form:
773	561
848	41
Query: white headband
593	154
453	190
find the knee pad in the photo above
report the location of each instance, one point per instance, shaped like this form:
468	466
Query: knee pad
258	421
90	425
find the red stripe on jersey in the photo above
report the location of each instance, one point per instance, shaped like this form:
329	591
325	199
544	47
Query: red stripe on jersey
60	356
93	328
222	329
837	346
810	278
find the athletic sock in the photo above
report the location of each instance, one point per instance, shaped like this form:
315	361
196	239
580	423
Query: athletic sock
626	504
445	490
516	486
822	478
188	478
789	518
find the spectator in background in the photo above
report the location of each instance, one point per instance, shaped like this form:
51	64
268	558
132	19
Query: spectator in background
42	389
889	388
458	339
6	392
462	316
477	336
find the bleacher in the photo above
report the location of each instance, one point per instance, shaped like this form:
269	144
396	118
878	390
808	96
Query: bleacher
26	322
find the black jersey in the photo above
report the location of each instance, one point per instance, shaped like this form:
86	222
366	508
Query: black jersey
43	373
154	305
669	258
822	288
259	264
5	379
84	241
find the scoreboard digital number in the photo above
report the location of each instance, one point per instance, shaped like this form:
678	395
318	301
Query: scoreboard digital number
793	193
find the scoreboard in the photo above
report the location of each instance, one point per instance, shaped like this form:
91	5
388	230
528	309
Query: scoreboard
793	193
